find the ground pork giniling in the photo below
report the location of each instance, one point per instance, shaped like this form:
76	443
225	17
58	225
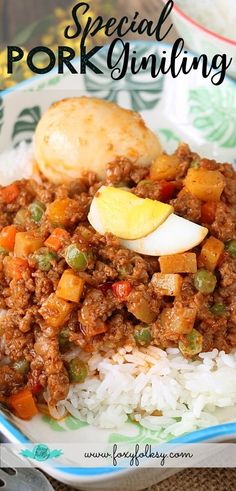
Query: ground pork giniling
112	300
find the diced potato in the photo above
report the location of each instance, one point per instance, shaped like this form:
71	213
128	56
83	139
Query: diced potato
59	211
55	310
185	262
206	185
70	286
178	320
26	243
164	167
93	330
167	284
141	310
210	253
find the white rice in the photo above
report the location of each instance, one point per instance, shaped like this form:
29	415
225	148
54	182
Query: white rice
141	382
216	15
16	164
186	394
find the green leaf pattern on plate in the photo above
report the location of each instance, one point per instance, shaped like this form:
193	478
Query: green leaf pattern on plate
143	436
25	124
211	113
68	423
144	93
169	135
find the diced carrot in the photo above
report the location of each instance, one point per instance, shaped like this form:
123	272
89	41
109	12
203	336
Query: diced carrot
23	404
167	284
7	237
210	253
10	193
14	267
208	212
56	240
70	286
185	262
55	310
26	243
121	289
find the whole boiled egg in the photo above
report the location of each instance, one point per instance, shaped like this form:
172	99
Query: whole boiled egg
143	225
84	134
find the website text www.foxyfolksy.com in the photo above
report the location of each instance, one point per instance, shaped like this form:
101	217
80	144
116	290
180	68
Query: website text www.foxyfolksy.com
120	454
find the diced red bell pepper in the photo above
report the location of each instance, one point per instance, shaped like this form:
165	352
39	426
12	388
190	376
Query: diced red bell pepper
36	387
208	212
167	190
122	289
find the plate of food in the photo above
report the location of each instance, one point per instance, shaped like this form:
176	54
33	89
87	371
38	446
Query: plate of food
118	263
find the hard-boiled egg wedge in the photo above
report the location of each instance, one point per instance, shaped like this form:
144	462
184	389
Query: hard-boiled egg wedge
117	211
122	216
175	235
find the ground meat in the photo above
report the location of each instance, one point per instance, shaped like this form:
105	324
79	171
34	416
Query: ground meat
187	206
102	319
223	226
129	264
57	378
123	171
43	286
143	303
18	344
230	183
103	273
10	380
18	296
95	310
227	270
185	157
120	333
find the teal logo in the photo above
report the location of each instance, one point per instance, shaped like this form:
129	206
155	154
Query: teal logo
41	453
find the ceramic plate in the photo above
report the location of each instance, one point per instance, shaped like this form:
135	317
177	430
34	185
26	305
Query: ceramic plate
188	108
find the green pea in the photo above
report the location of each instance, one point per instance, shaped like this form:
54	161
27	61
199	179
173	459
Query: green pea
77	370
37	210
192	345
205	281
45	260
231	247
218	309
64	339
76	259
4	252
21	366
142	334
